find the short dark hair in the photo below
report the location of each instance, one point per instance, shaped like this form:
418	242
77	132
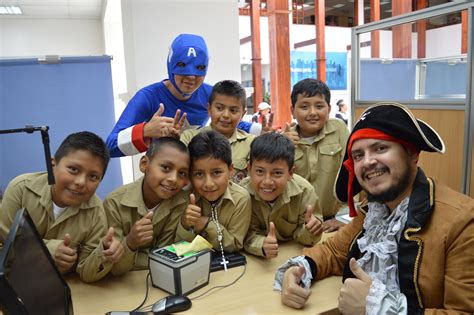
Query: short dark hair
309	88
271	147
210	144
340	103
157	144
229	88
87	141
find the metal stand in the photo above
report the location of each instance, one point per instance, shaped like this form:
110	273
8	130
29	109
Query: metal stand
45	138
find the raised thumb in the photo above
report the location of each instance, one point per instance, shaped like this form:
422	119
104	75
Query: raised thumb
110	234
287	127
160	110
300	272
271	230
149	215
308	214
67	239
192	199
357	271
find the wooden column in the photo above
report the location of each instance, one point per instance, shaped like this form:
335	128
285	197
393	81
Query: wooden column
356	12
256	56
464	39
320	19
421	30
375	35
401	34
280	83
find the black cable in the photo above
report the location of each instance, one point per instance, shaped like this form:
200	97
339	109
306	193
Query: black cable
146	294
222	286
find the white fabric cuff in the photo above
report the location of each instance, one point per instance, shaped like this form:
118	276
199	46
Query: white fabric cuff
295	261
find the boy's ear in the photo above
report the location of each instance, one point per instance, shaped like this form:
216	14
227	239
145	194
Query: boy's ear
249	167
292	171
53	162
231	170
209	108
143	163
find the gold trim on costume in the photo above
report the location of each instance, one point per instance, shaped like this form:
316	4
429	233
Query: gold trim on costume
417	260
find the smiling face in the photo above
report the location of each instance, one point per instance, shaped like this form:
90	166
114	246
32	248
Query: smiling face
210	177
188	83
226	113
311	113
77	175
165	174
269	179
384	169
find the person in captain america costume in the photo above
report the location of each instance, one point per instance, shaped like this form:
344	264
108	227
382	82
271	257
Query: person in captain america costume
155	110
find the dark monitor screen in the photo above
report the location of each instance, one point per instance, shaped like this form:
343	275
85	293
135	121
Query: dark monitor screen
30	283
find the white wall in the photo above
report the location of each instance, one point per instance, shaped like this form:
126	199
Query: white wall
151	25
39	37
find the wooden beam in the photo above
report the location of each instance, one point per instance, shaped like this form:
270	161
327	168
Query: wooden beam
305	43
320	19
256	56
421	30
464	34
375	35
401	34
280	84
245	40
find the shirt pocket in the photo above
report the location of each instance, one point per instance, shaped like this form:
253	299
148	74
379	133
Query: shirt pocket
240	170
285	228
330	157
300	164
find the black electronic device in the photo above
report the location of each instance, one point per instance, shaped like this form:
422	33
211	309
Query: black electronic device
30	283
167	305
234	259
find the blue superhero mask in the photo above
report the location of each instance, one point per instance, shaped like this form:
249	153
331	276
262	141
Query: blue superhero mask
190	51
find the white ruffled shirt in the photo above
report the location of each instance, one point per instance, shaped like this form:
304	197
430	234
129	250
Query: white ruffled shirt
380	259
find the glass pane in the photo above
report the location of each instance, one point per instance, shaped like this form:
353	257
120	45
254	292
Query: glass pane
420	60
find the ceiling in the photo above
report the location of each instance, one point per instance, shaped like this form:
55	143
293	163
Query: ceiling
57	9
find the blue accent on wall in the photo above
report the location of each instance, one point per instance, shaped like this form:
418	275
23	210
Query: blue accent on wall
73	95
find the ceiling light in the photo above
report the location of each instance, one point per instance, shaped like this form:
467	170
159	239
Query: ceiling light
10	9
384	2
339	5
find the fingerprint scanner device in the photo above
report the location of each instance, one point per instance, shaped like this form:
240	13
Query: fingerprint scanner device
179	275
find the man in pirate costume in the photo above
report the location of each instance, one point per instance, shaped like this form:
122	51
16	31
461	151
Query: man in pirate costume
410	249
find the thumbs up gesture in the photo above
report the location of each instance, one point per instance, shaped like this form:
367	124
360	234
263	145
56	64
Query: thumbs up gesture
158	126
113	249
353	294
292	294
270	243
141	233
191	217
313	225
65	255
292	135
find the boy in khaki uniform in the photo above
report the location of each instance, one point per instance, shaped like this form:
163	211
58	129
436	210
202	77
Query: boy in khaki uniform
284	204
226	109
68	215
219	210
320	143
145	213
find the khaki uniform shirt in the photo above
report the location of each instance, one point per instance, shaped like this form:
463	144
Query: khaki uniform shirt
287	214
240	144
86	224
319	162
125	206
233	214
